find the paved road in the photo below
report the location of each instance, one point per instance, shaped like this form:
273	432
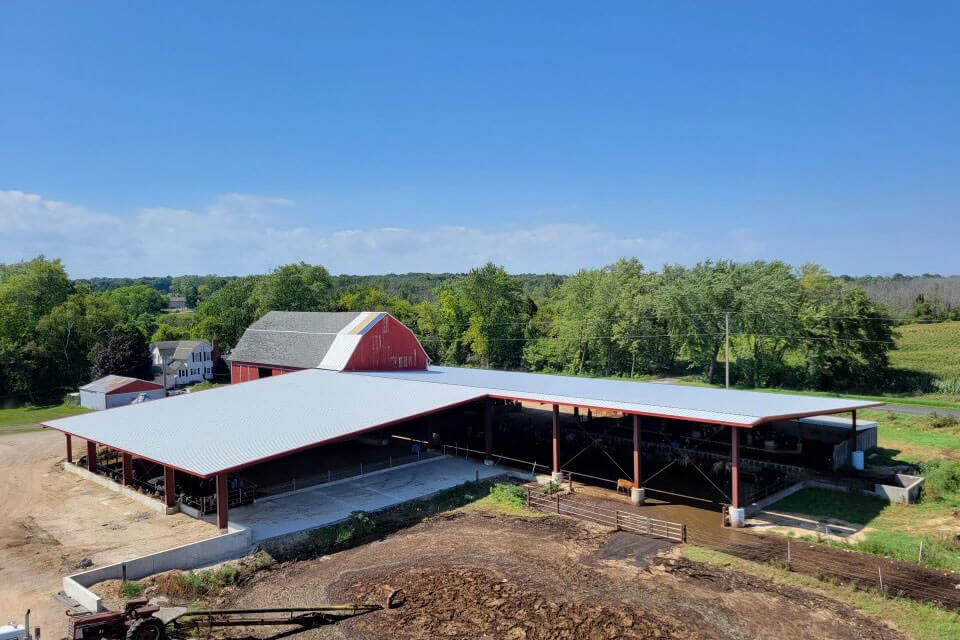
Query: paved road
918	411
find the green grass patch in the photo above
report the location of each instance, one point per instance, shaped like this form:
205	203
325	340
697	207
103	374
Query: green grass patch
942	482
930	431
896	530
852	507
207	384
922	621
30	414
130	589
508	499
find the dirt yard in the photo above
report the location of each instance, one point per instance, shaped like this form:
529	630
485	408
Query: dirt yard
476	575
53	523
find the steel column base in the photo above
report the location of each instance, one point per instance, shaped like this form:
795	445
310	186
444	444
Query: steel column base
557	477
488	462
638	495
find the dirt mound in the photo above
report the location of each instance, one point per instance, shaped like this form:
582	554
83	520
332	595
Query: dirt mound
459	602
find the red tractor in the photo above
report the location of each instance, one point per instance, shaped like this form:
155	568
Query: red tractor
136	622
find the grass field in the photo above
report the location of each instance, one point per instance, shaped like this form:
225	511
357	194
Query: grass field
23	418
917	438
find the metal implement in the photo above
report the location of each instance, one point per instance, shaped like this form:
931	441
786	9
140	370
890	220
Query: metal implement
304	617
138	619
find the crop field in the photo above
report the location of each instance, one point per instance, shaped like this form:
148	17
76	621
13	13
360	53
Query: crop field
931	348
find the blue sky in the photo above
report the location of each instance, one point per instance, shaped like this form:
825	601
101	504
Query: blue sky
546	136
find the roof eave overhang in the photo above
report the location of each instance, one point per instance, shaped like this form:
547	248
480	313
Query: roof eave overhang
811	414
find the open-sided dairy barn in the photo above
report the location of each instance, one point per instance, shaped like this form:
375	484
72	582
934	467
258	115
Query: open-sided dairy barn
371	394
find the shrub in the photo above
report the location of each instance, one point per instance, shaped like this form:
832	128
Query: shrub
551	489
131	589
944	422
193	584
509	495
942	482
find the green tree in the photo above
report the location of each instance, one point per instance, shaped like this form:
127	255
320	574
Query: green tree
28	291
693	302
126	353
166	332
138	300
67	337
227	313
490	300
294	287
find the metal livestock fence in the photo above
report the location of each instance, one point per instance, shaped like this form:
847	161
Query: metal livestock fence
619	520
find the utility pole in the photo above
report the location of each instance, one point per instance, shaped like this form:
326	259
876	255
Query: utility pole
726	317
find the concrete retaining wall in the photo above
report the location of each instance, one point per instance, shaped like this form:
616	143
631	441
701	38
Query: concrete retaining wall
108	483
907	492
233	544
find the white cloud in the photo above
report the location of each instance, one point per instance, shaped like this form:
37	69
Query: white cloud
242	233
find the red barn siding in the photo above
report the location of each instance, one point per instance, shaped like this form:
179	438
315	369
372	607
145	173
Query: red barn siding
136	385
387	346
245	371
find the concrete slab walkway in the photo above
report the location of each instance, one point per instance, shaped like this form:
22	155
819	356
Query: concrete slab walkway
324	504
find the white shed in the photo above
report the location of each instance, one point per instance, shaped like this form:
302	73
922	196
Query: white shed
116	391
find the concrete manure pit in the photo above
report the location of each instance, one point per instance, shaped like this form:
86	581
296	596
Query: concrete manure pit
472	574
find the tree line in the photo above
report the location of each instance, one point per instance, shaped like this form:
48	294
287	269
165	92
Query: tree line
798	327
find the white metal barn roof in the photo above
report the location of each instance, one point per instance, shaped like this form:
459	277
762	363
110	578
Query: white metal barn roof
231	427
719	406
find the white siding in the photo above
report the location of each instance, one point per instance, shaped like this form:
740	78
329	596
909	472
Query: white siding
92	399
121	399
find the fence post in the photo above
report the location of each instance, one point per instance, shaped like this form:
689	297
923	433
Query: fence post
558	503
361	468
618	520
788	554
294	483
920	555
648	525
880	574
389	461
328	475
528	497
683	533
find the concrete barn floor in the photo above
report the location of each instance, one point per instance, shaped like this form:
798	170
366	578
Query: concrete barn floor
324	504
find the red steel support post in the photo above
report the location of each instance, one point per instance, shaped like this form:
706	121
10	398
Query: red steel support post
636	451
735	467
223	501
69	447
92	456
488	428
127	469
169	487
556	438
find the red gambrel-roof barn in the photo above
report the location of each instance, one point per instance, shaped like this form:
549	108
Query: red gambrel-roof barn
365	371
284	341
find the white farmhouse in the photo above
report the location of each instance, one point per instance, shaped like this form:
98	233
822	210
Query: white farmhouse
180	362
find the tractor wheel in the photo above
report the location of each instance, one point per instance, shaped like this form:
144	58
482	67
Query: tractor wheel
147	629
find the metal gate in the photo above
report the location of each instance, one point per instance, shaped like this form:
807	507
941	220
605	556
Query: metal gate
619	520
